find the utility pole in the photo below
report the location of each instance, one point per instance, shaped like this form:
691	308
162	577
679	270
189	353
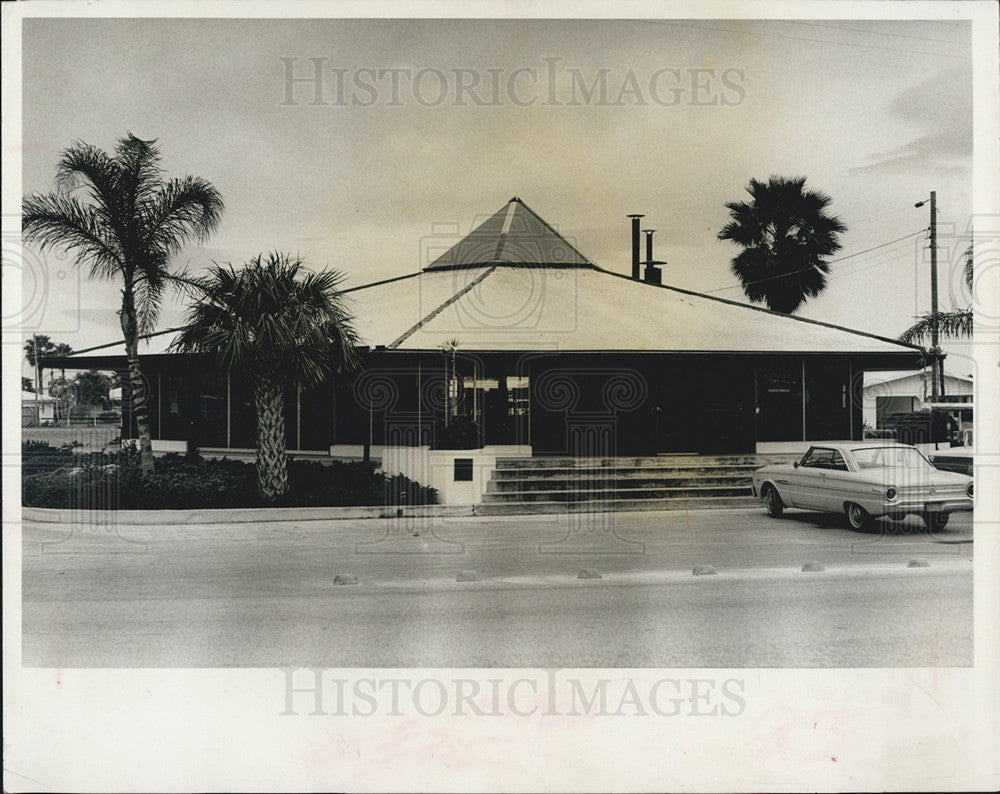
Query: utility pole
38	380
937	372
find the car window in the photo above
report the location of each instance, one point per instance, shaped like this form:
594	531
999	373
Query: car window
818	458
889	457
838	463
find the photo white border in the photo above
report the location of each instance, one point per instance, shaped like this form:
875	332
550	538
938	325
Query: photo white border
908	729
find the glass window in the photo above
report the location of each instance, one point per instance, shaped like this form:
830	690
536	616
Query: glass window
818	458
889	458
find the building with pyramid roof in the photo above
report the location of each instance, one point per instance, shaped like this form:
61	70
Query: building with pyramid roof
513	332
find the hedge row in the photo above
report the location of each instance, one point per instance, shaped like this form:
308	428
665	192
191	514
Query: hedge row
62	479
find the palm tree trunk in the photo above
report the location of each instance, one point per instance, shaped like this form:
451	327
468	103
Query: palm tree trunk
272	464
130	330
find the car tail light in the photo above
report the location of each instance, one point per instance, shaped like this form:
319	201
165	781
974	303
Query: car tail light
890	493
968	489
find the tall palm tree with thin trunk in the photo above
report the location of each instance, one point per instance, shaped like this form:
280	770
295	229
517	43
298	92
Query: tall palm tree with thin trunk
36	349
124	222
786	235
281	327
62	350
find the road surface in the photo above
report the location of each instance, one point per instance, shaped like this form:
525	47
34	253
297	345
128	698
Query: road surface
267	594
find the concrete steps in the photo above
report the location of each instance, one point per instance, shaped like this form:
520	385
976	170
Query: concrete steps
659	461
674	482
623	505
607	493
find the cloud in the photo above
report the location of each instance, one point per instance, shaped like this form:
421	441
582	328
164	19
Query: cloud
946	151
941	109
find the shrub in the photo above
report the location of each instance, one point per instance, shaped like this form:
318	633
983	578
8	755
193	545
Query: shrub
461	432
115	481
40	456
399	490
188	481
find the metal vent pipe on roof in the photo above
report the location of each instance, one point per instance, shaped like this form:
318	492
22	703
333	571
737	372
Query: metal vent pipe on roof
635	245
652	274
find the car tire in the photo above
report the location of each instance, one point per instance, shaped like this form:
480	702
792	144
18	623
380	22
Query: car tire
772	501
936	521
858	517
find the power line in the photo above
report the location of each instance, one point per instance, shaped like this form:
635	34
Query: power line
877	263
879	33
810	267
819	41
875	247
876	258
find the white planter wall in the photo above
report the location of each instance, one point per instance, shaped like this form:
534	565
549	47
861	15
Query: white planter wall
436	468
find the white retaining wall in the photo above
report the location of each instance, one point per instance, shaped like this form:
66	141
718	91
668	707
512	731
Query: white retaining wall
436	468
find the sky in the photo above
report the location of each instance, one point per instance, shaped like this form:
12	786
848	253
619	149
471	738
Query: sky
368	176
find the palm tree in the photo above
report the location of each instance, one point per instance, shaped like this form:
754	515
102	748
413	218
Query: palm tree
785	234
63	350
127	225
956	324
35	349
278	325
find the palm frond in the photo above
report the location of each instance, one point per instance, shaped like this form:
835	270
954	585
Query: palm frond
184	209
129	224
139	169
786	236
272	319
85	165
149	286
60	221
957	325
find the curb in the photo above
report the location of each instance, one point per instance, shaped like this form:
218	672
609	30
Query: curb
47	515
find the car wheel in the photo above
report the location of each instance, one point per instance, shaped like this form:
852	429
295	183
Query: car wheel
936	521
775	507
858	517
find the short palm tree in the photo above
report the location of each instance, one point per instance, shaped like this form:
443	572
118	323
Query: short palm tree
278	325
786	234
126	225
956	323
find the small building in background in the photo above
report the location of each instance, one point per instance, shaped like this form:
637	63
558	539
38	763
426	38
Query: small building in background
903	392
37	409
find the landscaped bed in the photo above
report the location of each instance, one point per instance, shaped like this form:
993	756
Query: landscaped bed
63	478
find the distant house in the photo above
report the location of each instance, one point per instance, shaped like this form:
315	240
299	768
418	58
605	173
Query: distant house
549	354
37	409
887	393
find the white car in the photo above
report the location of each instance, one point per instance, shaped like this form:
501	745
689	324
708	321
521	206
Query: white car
865	480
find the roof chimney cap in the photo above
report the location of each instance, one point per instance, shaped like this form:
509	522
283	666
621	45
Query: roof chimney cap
635	215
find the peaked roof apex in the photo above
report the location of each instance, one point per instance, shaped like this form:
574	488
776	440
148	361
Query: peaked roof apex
514	235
